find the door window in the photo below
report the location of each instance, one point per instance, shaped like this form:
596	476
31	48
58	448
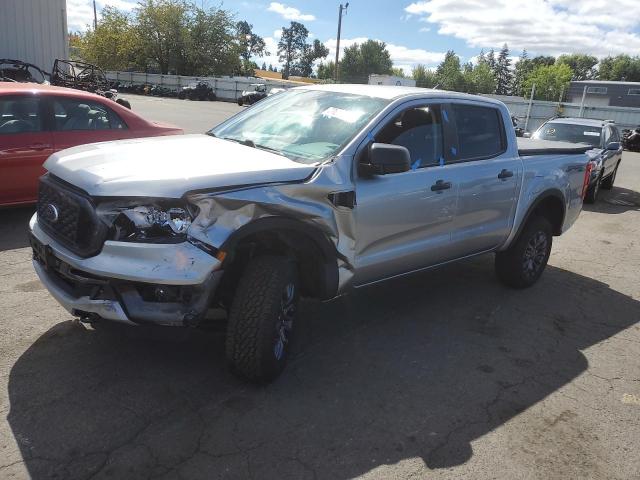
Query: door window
480	132
81	114
419	129
20	114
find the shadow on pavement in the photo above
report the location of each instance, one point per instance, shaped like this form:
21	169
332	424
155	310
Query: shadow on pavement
616	200
418	367
14	223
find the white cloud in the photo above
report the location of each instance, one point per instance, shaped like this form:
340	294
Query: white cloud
290	13
541	26
80	12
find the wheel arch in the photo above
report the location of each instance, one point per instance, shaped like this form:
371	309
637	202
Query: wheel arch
314	252
551	205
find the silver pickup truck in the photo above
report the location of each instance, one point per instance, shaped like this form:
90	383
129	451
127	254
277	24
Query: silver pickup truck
310	192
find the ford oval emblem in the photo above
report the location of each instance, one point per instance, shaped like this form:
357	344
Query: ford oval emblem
50	213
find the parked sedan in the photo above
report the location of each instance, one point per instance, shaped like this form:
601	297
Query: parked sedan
602	135
38	120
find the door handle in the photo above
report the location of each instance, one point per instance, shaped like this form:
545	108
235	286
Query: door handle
39	146
504	174
440	185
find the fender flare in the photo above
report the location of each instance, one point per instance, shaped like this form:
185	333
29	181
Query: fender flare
550	193
328	264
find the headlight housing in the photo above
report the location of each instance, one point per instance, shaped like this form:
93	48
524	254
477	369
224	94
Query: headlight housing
153	221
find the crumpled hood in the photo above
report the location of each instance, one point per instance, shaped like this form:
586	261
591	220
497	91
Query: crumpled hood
170	166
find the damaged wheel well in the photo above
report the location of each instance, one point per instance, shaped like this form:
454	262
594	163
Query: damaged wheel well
314	254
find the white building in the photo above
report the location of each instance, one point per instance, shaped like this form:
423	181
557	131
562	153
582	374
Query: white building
375	79
34	31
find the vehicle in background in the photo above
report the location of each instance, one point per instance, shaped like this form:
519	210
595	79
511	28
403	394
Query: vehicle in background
255	93
19	71
310	192
201	90
516	128
84	76
275	90
631	139
601	135
38	120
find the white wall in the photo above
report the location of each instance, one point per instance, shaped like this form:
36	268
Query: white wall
34	31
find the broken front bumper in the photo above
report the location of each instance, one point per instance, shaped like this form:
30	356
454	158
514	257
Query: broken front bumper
164	284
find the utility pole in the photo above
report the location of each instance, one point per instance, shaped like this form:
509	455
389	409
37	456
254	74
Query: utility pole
95	17
338	44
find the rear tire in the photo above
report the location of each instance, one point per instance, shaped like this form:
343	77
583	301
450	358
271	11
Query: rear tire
607	184
592	192
261	319
124	103
523	263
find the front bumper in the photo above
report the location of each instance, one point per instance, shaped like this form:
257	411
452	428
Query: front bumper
134	283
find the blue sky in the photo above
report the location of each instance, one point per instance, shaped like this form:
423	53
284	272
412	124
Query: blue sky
422	31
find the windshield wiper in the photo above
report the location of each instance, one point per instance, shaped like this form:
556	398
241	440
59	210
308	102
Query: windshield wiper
250	143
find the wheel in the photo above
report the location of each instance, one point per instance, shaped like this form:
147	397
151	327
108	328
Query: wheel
523	263
124	103
240	102
261	318
610	180
592	192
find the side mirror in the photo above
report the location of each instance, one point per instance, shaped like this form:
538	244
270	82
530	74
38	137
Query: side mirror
615	146
526	134
385	158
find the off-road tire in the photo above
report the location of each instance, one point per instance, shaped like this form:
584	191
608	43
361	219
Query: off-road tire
512	264
592	192
125	103
255	316
608	182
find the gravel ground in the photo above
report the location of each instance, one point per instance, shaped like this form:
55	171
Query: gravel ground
446	374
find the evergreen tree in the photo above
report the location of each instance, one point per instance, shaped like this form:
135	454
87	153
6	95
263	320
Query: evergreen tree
503	74
264	65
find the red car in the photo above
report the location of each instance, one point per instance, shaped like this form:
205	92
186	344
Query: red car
38	120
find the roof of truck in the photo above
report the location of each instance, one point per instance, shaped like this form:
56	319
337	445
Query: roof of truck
391	92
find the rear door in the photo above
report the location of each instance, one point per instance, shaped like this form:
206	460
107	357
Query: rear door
487	173
25	144
78	121
403	220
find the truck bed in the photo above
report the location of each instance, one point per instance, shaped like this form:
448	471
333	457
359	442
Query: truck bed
528	147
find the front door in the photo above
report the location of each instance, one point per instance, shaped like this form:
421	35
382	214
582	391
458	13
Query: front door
404	219
25	144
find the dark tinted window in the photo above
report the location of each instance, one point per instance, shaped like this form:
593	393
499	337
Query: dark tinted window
480	132
81	114
20	114
420	131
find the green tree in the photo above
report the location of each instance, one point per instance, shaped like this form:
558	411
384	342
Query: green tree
503	75
550	81
312	52
479	78
583	66
113	45
620	68
398	72
360	61
424	77
292	46
327	71
251	44
449	75
522	69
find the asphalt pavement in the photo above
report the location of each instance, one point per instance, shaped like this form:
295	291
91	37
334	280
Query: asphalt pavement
445	374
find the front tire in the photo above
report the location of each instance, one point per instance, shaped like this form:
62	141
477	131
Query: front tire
523	263
261	319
